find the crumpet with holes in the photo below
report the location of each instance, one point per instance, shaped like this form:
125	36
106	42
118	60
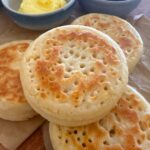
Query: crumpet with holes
73	75
13	104
126	127
119	30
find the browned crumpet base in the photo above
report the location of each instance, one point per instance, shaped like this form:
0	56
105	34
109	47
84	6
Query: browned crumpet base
10	85
13	104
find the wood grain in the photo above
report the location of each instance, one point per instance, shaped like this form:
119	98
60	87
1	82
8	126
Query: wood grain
2	147
34	142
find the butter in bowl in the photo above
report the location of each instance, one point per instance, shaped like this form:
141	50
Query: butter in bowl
39	14
41	6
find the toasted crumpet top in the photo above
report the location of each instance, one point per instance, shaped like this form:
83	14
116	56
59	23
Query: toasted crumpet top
127	127
74	68
10	58
119	30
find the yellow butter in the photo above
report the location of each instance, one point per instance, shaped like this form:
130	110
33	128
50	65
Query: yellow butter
40	6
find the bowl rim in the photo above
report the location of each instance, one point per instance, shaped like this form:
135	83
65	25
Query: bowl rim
115	2
66	6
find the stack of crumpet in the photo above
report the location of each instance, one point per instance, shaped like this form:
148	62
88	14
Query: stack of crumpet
76	77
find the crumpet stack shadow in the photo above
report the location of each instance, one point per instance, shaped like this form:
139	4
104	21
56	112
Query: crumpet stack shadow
70	75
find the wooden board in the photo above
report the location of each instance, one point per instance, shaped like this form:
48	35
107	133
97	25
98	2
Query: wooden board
34	142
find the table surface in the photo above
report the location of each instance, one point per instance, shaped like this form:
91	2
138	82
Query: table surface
36	140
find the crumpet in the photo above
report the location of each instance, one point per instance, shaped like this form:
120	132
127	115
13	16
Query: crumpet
70	75
126	127
120	31
13	104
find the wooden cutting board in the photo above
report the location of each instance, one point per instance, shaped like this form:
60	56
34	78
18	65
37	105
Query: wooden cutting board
34	142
